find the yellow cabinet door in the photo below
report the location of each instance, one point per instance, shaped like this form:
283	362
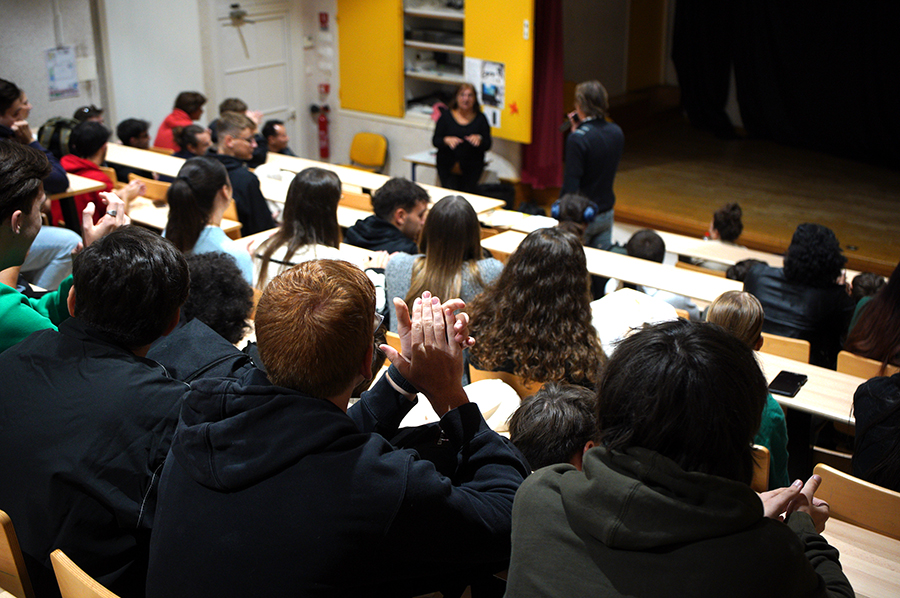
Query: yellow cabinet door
370	55
502	32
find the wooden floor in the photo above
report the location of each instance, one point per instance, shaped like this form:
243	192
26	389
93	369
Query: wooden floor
674	177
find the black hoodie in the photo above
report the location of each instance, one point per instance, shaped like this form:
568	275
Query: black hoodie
376	234
270	492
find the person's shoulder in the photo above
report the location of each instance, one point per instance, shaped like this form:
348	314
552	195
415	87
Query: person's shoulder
490	267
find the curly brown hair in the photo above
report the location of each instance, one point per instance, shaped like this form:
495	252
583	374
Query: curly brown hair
536	317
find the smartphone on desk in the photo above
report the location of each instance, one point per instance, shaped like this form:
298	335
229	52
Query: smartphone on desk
787	383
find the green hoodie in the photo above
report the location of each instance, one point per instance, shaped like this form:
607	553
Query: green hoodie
20	316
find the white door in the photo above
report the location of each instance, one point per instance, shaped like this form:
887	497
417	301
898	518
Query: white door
256	61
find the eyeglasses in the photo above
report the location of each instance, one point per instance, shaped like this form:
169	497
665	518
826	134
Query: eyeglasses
250	140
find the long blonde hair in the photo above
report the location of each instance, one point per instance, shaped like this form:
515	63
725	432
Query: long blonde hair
451	241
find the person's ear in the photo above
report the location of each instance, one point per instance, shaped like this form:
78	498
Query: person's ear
759	343
365	369
70	301
15	221
400	216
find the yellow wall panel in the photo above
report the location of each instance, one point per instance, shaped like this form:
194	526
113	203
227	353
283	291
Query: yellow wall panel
503	31
370	54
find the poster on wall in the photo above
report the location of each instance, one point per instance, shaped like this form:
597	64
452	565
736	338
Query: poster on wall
489	79
62	75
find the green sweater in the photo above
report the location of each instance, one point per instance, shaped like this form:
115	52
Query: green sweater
772	434
20	316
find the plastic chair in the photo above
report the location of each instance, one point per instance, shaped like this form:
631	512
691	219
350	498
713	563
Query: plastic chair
859	502
857	365
73	581
368	151
13	575
792	348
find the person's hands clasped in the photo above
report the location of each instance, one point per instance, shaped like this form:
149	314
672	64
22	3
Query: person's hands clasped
114	218
431	350
779	503
452	142
474	139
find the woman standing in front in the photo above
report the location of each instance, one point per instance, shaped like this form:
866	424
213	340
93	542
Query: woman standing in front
462	136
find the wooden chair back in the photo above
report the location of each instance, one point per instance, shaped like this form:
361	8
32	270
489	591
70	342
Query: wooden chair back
683	314
516	382
393	340
760	481
359	201
111	173
162	150
368	151
13	575
859	502
856	365
156	190
73	581
792	348
701	269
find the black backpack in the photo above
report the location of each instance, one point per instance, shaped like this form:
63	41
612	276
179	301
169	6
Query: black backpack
54	135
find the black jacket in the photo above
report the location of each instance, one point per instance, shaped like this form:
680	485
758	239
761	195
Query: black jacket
593	152
817	314
270	492
56	181
376	234
253	211
876	406
84	433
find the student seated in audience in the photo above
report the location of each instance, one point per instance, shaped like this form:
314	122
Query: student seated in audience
865	284
557	424
648	245
88	422
87	146
336	493
219	296
739	270
663	506
236	145
272	138
451	263
194	141
188	108
197	200
89	113
49	261
876	457
574	213
399	207
742	315
133	132
725	228
807	298
535	319
309	229
875	330
22	169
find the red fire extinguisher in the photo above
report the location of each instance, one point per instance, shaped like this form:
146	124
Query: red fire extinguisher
322	119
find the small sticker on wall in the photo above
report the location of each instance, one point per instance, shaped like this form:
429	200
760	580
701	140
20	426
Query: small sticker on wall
489	79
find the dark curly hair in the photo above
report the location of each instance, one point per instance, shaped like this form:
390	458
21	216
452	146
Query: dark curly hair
220	297
536	317
814	257
727	221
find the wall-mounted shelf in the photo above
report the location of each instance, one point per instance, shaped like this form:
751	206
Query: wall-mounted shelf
445	14
432	47
437	77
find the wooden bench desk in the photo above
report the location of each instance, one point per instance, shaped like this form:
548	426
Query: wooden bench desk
643	272
870	560
143	159
77	186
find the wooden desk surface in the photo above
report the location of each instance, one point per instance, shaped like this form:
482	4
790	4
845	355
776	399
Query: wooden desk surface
696	285
870	561
144	212
77	186
826	393
372	180
143	159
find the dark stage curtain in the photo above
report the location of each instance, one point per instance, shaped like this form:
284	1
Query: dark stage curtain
821	75
542	158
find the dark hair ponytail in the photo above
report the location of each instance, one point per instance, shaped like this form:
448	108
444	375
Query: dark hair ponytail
191	198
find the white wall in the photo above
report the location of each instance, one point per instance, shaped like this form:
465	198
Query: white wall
154	52
27	35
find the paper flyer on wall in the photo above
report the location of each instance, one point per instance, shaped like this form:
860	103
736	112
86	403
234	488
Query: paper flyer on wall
62	75
489	79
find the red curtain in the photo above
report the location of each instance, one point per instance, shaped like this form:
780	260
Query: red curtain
542	159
